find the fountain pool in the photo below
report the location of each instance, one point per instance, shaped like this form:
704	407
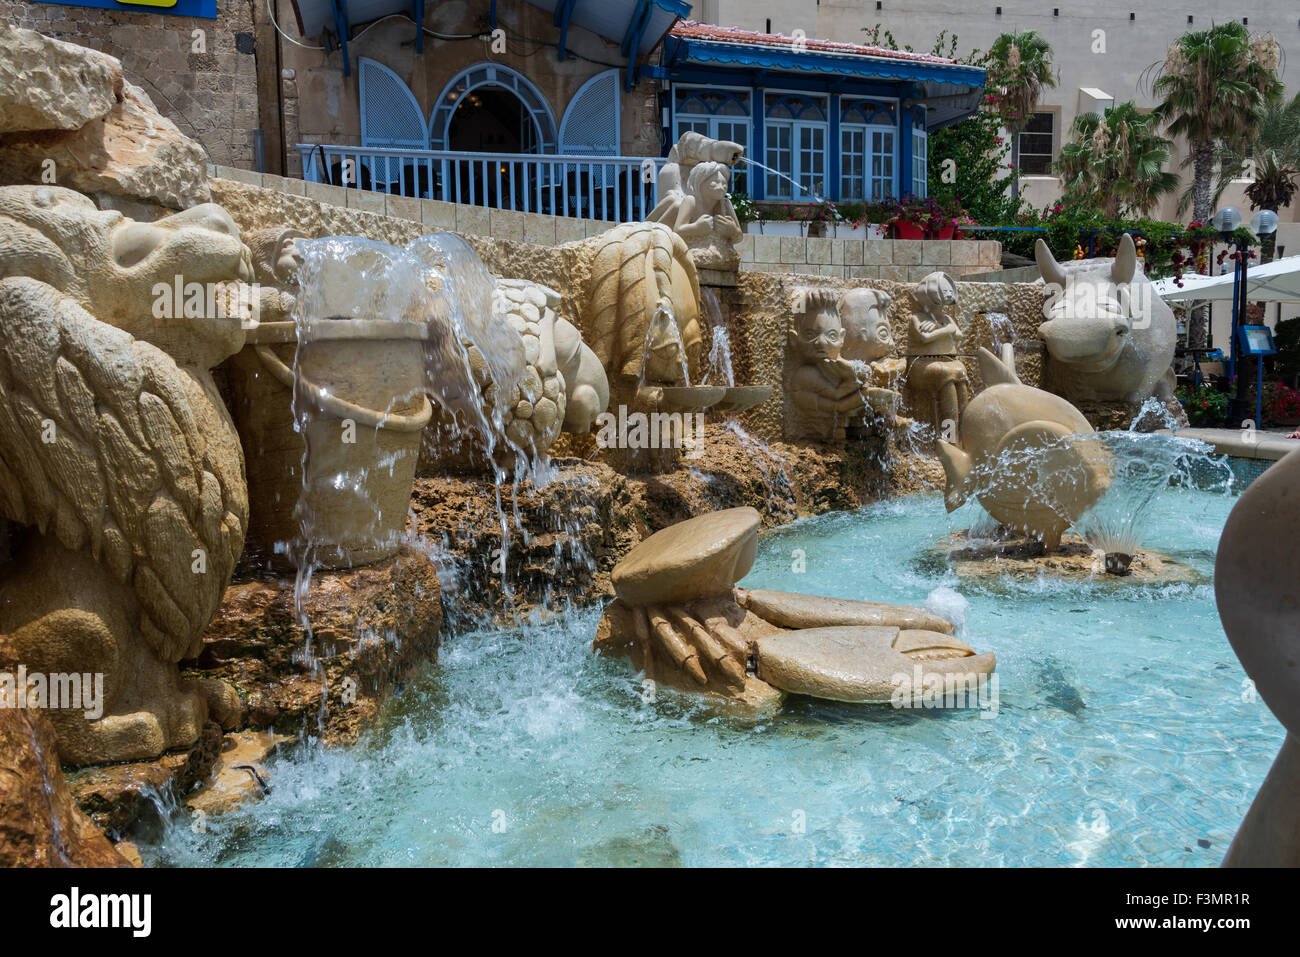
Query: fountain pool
1123	736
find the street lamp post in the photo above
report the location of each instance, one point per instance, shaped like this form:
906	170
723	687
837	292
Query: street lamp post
1263	223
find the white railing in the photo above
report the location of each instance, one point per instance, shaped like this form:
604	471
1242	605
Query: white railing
618	188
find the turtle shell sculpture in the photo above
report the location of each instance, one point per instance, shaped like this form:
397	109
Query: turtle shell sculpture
1025	454
680	618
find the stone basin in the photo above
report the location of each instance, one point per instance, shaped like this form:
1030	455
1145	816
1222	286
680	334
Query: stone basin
689	398
742	397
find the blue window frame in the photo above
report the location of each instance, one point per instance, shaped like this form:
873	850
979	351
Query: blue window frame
868	151
720	114
796	133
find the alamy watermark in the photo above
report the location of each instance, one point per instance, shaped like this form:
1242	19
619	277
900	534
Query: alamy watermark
953	690
651	430
61	691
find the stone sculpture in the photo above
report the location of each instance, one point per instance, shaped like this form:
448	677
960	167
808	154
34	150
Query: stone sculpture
331	404
934	371
1255	585
67	110
1108	335
642	306
693	199
681	619
824	391
1025	454
118	460
869	336
275	265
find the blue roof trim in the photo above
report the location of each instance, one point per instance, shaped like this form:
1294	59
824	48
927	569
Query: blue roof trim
680	50
563	14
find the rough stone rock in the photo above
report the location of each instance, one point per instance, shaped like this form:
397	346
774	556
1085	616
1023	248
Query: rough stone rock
1012	559
40	824
375	625
132	151
116	796
232	782
699	558
574	529
48	84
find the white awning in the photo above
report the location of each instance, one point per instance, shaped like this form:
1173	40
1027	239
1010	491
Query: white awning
1278	281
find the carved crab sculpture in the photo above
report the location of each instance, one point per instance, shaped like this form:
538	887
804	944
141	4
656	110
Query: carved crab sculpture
683	621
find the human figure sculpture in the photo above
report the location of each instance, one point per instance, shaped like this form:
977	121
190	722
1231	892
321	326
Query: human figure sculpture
693	200
869	336
118	460
824	389
932	339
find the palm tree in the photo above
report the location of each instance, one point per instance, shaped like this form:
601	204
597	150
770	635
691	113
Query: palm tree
1019	69
1214	87
1275	154
1116	161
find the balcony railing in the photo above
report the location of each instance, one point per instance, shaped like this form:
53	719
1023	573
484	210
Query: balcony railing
618	188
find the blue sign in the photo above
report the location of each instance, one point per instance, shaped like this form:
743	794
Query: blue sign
175	8
1257	341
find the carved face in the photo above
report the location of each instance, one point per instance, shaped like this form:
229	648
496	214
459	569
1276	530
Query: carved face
709	183
128	273
936	291
821	334
867	330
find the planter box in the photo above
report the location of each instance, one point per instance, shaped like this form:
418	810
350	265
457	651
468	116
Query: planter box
945	232
777	228
904	230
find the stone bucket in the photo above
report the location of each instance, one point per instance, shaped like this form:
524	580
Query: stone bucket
361	387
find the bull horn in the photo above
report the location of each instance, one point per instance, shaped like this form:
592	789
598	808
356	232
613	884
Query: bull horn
1126	259
1048	267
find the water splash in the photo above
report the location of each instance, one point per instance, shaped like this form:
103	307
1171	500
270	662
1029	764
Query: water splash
1144	465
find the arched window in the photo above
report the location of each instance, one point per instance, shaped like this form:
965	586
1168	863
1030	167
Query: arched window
501	97
591	121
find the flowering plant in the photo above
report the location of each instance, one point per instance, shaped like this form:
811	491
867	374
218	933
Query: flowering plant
1205	404
1281	404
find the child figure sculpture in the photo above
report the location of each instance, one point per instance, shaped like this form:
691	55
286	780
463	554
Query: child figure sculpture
824	388
932	340
706	219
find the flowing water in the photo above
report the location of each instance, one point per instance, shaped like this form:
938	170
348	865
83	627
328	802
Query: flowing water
719	371
1124	735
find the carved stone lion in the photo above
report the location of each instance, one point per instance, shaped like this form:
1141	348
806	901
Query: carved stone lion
120	469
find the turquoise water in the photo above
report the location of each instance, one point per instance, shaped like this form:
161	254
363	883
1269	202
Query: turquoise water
1121	738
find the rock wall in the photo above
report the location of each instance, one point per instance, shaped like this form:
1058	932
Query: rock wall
210	95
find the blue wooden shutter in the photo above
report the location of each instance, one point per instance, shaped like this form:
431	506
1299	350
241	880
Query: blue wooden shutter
390	115
590	124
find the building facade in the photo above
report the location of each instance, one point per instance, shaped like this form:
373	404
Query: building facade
1104	52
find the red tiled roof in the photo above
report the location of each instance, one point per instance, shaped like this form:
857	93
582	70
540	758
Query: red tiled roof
691	30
